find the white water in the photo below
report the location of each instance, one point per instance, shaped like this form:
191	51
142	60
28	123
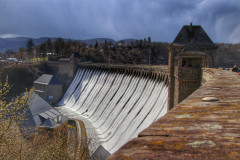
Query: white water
118	106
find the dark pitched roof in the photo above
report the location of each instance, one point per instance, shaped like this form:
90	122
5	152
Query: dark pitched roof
38	105
193	37
47	79
42	114
75	55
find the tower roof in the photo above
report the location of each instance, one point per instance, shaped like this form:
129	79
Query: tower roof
193	37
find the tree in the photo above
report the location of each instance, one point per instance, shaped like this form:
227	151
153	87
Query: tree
149	50
11	116
68	48
15	143
49	46
96	44
140	43
21	53
149	41
131	45
105	46
136	43
43	49
82	48
144	42
9	53
59	46
30	46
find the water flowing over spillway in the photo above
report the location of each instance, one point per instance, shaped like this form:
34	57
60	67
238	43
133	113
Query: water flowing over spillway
119	106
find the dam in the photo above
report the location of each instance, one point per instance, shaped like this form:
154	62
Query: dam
118	104
147	113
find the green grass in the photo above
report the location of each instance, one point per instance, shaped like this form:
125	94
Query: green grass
70	126
37	59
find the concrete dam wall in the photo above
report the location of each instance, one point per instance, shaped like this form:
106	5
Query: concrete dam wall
118	104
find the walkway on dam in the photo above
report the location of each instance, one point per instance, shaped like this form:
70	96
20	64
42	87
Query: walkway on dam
194	129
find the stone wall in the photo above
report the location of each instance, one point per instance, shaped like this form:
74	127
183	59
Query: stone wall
207	74
52	67
41	90
189	74
187	80
56	91
66	68
44	91
63	70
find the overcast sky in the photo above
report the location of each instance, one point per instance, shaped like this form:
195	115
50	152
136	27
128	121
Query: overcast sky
119	19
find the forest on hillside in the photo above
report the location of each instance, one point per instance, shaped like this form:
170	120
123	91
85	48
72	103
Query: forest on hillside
227	55
132	51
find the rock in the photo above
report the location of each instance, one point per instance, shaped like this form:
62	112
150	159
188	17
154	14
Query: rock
210	99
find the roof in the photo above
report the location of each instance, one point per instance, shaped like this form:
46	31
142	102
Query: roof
48	123
193	37
75	55
42	114
47	79
38	105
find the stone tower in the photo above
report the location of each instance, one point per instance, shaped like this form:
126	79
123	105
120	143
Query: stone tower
191	50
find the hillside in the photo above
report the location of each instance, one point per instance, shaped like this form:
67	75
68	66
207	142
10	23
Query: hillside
20	76
16	43
227	55
127	51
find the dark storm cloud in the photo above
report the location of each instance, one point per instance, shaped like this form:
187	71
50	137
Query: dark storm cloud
221	18
118	19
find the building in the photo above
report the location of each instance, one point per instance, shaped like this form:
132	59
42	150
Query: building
49	88
191	51
41	114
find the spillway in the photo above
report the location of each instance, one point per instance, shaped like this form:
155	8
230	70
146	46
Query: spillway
117	104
